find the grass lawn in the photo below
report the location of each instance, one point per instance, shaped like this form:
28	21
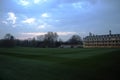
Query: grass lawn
59	64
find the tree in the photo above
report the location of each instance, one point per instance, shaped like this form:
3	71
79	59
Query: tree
40	38
50	38
75	39
8	41
8	37
33	42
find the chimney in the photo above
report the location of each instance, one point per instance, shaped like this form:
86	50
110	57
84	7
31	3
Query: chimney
90	34
110	32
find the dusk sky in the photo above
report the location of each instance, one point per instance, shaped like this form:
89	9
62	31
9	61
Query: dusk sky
28	18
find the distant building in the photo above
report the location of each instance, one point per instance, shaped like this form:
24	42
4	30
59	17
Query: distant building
109	40
71	44
65	46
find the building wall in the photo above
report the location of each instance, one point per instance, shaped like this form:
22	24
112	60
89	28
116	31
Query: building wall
110	40
71	46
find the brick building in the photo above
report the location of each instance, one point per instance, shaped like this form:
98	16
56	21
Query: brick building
108	40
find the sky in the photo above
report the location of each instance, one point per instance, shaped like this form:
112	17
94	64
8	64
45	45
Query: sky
29	18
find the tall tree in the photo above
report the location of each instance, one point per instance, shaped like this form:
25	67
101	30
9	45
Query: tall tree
75	39
8	41
50	39
40	38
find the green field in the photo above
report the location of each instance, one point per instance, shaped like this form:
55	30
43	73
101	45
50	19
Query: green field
59	64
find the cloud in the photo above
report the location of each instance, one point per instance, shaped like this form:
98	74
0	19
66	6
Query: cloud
29	3
66	33
81	4
36	1
29	20
42	33
75	1
31	35
11	17
77	5
39	1
63	35
42	26
4	22
45	15
23	2
34	33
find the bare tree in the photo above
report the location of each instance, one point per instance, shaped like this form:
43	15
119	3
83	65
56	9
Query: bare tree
75	39
40	38
9	37
8	41
50	38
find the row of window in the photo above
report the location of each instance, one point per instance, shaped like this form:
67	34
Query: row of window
112	41
100	39
103	45
103	36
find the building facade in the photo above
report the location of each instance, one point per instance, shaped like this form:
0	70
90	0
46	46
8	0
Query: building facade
71	46
107	41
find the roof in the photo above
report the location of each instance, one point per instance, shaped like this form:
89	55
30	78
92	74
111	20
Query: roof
101	37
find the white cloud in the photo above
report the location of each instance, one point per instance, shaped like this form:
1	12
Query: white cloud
82	4
66	33
33	34
4	22
41	26
29	20
45	15
37	1
24	2
27	3
12	17
42	33
45	0
77	5
44	25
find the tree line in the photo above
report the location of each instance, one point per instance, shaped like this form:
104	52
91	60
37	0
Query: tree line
49	40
